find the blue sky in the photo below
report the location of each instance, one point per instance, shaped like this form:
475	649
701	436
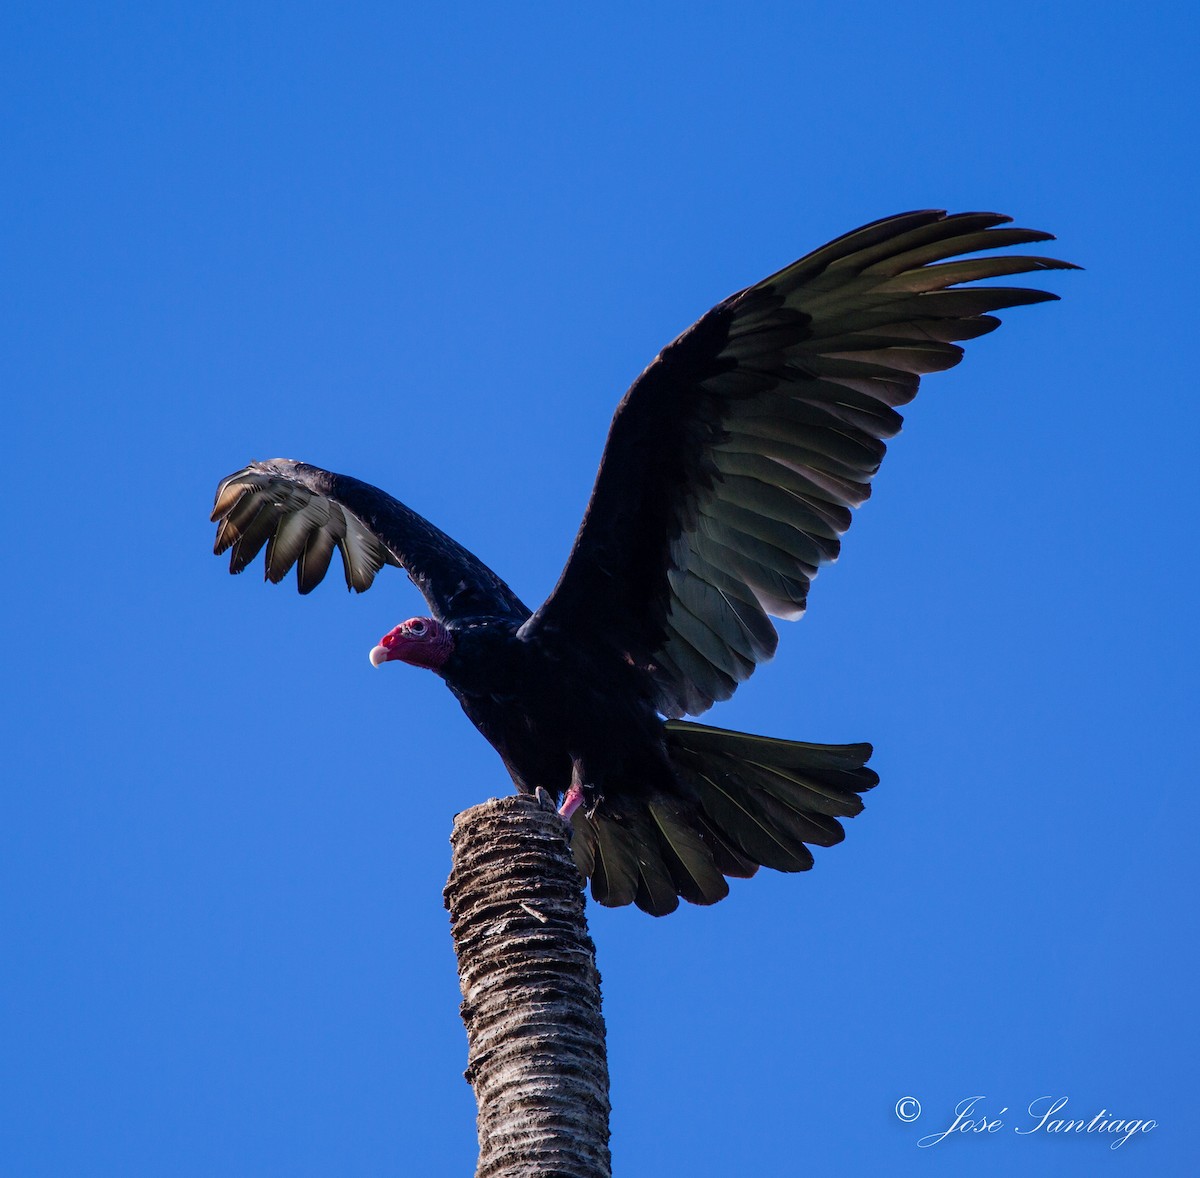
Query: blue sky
431	248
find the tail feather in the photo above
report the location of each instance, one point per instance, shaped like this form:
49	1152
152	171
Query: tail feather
817	793
754	801
615	878
660	881
799	754
583	845
650	856
773	798
688	856
770	797
657	891
760	835
728	859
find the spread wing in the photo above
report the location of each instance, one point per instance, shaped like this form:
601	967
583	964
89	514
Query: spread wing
301	513
734	460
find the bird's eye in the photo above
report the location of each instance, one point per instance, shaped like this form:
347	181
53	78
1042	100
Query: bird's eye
418	628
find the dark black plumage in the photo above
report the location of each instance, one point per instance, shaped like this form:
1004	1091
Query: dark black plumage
729	476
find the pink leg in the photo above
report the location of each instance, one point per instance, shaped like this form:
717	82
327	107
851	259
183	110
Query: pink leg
574	796
572	801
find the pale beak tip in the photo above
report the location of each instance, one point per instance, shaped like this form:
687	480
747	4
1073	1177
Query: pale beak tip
378	656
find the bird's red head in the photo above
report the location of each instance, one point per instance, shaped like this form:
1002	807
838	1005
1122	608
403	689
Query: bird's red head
421	642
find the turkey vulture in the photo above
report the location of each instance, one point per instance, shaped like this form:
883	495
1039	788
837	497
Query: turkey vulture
727	480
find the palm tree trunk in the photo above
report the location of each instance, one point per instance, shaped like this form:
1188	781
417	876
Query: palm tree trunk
531	994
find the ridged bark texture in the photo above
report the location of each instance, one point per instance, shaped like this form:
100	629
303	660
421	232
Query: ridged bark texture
531	994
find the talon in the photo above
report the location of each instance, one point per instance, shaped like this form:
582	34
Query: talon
544	799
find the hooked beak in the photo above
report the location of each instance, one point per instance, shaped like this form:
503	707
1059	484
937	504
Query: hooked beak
383	652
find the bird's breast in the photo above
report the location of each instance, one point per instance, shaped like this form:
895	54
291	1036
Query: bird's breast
542	706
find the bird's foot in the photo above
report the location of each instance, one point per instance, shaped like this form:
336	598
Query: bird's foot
544	798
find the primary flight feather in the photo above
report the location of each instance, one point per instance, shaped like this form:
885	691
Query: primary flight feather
729	476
